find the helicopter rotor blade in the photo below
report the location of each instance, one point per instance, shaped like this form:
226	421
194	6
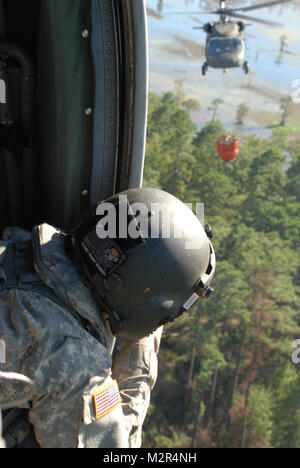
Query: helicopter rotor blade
197	20
232	11
213	3
261	5
188	12
251	18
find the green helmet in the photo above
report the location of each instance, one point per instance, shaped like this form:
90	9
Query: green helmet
146	256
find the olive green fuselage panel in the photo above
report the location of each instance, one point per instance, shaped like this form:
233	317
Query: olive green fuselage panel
86	93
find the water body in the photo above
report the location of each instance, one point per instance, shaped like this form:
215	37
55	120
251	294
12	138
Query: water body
176	51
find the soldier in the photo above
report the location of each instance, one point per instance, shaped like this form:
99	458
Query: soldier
66	296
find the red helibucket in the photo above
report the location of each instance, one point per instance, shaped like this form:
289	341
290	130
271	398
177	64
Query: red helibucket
227	147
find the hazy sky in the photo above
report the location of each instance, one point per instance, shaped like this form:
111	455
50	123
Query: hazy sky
176	51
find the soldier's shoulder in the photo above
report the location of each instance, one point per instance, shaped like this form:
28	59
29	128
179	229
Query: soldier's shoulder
16	234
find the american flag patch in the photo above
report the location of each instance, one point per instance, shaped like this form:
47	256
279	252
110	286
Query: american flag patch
106	399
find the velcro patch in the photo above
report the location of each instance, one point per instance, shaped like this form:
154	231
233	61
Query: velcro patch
106	399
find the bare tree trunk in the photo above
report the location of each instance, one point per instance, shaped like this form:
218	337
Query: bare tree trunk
197	423
191	369
189	385
212	399
244	423
232	386
246	404
233	382
283	120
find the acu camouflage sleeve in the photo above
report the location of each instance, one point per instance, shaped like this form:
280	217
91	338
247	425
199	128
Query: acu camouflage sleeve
135	369
67	366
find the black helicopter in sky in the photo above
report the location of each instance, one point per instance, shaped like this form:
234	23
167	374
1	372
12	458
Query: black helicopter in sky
225	42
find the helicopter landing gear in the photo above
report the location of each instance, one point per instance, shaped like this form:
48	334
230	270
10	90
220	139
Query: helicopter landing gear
246	68
241	26
204	69
208	28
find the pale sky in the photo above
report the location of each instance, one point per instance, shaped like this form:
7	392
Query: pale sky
176	51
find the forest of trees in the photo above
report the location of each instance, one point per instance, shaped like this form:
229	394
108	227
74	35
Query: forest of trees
226	378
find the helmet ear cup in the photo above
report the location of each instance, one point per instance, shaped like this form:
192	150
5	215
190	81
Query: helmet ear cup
167	305
117	324
113	283
157	312
165	308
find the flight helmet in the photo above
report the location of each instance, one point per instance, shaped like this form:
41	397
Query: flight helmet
147	258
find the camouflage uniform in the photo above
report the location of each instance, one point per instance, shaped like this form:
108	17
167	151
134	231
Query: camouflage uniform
69	363
2	443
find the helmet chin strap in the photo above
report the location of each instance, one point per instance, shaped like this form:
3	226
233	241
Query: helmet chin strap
111	337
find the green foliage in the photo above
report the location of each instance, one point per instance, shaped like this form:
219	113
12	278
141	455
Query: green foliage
174	439
191	105
242	112
260	424
286	106
286	433
214	107
225	375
